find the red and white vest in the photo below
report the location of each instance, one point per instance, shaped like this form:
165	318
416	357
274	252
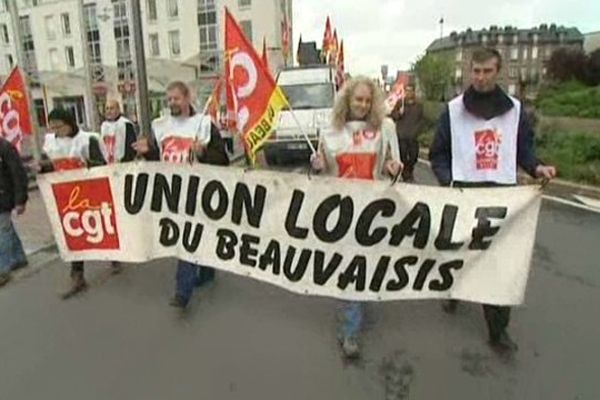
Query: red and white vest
357	151
67	153
484	151
113	135
175	136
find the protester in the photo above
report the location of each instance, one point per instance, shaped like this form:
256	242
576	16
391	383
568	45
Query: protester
117	134
482	136
13	196
408	116
182	137
67	147
357	148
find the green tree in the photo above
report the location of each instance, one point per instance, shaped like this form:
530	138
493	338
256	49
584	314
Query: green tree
435	74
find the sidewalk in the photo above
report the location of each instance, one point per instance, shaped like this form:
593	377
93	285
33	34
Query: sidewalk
33	226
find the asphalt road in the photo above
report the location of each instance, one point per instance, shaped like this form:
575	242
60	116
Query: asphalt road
247	340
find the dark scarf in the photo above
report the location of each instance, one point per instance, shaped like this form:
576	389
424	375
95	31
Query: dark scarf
487	105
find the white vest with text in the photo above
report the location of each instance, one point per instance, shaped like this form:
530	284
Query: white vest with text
484	151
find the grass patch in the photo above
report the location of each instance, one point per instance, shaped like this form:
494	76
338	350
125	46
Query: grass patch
575	155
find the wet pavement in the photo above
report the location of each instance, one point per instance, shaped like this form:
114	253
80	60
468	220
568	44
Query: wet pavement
247	340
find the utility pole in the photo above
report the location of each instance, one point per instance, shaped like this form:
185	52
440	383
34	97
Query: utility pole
90	99
17	37
139	62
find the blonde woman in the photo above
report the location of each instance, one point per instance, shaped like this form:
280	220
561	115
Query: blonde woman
359	146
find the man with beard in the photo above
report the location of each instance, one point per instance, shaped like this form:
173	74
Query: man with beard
117	134
182	137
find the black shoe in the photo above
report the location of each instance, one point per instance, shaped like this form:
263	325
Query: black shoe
450	306
116	268
503	345
177	302
4	278
19	265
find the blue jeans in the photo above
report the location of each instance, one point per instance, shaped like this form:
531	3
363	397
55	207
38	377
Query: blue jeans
11	248
190	276
352	316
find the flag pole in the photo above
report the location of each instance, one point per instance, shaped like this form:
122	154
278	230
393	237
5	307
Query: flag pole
312	148
14	16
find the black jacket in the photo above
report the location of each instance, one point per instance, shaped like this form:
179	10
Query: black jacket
486	106
13	177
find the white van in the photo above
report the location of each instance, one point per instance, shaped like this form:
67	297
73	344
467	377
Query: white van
310	91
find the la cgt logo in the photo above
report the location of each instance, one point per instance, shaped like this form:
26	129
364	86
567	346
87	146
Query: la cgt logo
87	214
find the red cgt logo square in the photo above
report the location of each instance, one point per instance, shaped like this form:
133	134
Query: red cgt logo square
87	214
487	144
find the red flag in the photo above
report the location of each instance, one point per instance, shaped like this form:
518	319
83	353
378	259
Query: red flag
333	52
256	97
15	117
397	92
214	103
285	39
327	40
265	60
340	72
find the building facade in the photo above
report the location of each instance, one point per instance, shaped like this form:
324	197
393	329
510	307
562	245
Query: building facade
524	53
183	39
591	42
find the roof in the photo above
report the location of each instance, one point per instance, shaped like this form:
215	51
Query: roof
546	34
308	53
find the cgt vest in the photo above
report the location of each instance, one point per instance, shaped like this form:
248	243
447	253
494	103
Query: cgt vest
484	151
67	153
356	151
113	135
175	136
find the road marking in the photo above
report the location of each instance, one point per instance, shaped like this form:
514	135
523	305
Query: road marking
588	201
571	203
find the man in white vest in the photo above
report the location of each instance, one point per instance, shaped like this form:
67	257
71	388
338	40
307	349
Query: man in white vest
483	136
117	134
183	137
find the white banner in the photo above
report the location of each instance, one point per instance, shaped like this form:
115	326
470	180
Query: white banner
349	239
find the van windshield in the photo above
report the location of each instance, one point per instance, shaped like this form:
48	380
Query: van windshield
309	96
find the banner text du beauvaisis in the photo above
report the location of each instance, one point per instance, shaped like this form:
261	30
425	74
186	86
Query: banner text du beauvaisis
217	203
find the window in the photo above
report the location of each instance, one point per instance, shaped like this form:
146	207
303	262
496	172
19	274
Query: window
523	75
536	37
515	39
484	39
512	89
514	53
244	3
93	41
4	33
70	56
10	62
53	54
247	28
524	53
174	43
459	55
40	111
65	21
512	72
500	39
458	73
152	13
4	5
548	52
172	9
30	62
207	25
122	40
50	28
154	45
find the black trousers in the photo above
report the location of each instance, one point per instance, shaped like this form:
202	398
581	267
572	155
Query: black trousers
497	319
76	266
409	154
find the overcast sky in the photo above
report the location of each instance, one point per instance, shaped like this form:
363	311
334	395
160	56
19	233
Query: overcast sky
395	32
